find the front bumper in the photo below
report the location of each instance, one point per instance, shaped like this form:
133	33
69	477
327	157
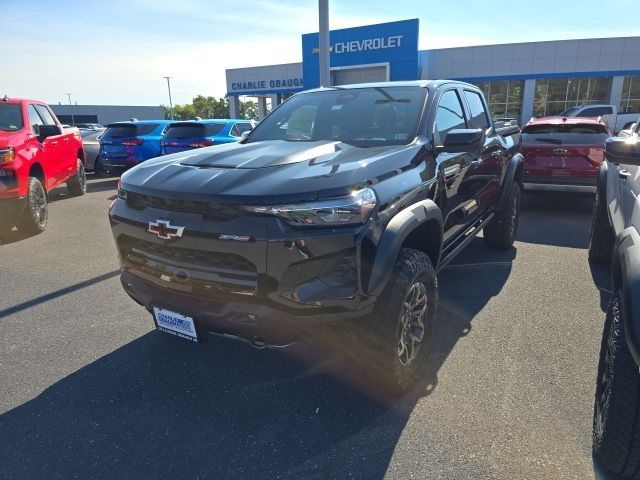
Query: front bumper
239	274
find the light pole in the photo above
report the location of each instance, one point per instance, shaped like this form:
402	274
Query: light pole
69	97
323	34
170	102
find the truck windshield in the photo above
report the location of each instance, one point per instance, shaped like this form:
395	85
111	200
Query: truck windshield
576	134
10	117
361	117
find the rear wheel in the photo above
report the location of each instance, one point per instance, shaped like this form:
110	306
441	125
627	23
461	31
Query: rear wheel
602	238
404	321
501	231
616	413
98	170
77	185
34	218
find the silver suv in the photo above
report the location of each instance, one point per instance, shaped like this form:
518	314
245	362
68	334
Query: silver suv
615	238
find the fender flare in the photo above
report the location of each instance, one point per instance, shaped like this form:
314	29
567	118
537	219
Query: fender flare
628	270
394	235
601	187
516	162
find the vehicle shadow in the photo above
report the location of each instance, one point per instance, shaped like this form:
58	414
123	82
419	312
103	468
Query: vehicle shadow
161	407
102	184
567	215
601	274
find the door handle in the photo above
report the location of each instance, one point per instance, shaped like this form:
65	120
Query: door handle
54	142
624	174
66	139
476	163
496	154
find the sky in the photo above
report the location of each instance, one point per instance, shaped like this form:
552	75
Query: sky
117	52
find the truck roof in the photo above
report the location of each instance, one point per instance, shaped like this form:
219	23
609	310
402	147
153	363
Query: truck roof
408	83
20	100
557	120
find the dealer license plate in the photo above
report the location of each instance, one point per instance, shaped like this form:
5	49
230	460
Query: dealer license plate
175	323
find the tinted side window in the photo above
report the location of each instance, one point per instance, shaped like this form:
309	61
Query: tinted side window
479	117
243	127
34	119
45	115
449	116
595	112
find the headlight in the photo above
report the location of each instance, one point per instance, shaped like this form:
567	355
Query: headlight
7	154
351	210
121	192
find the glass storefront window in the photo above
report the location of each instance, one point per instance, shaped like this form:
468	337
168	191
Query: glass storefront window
504	97
555	95
630	100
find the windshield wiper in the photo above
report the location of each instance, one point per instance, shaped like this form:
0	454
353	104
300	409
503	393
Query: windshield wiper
555	141
390	98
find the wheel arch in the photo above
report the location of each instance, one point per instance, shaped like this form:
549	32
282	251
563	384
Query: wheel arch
601	189
419	227
625	277
36	170
514	172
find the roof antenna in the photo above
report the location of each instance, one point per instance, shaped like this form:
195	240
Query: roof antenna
198	118
5	98
133	119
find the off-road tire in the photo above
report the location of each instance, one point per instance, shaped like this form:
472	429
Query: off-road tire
412	268
616	413
77	185
34	218
501	231
601	239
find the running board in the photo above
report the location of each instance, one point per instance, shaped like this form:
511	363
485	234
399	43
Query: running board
468	235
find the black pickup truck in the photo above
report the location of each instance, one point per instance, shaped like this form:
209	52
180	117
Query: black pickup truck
341	205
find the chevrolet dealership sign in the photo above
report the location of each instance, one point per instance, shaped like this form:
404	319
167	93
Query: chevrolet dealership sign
394	44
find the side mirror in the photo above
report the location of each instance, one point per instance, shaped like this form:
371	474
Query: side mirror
48	131
244	136
463	140
623	150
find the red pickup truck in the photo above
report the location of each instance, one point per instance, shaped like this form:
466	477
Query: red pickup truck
37	154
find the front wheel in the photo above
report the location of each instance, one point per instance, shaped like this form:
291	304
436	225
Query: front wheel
77	185
404	320
501	231
34	218
616	413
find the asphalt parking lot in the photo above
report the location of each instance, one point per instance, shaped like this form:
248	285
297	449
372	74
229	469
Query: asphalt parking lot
90	390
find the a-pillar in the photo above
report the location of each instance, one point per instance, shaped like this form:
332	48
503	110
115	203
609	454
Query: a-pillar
234	107
262	107
528	96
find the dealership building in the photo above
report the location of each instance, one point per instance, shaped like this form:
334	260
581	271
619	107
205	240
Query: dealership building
105	114
519	80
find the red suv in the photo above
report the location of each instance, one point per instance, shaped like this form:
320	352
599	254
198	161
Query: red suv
562	153
36	155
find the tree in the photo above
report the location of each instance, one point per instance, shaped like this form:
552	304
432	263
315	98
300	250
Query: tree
210	107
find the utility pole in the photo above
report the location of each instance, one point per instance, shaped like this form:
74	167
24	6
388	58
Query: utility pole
69	97
323	14
170	102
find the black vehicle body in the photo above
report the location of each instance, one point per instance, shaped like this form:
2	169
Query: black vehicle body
258	277
619	188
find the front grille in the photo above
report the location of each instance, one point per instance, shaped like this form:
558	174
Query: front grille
185	267
139	201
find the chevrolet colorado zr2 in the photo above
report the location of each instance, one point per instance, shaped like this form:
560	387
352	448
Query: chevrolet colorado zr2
341	205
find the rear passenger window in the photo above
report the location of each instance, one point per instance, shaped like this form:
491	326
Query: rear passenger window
234	131
479	117
449	116
34	119
243	127
45	115
595	112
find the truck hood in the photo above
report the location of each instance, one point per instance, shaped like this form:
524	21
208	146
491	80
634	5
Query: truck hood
268	171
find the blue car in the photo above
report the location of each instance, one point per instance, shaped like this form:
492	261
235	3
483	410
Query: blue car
182	136
126	144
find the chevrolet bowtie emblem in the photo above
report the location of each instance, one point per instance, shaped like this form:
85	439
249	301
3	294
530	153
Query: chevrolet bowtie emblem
164	230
